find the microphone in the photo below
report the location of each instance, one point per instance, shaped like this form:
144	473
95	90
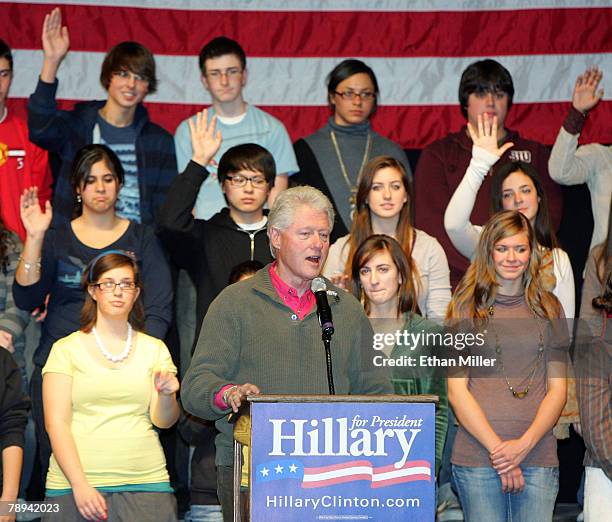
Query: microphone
319	289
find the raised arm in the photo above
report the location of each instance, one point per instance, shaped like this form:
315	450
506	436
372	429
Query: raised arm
56	43
485	153
36	223
46	124
177	226
565	165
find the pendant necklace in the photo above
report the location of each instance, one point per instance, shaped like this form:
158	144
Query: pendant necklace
108	355
366	154
518	394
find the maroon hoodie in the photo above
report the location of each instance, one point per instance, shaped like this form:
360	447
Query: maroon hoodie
441	167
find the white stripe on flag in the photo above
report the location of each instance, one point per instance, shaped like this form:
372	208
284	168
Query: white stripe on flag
300	81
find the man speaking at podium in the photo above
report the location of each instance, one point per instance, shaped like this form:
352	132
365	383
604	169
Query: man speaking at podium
262	335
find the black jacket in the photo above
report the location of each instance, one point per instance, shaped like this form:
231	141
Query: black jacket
207	249
14	405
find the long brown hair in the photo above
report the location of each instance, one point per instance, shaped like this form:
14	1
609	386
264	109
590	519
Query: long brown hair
361	228
542	224
91	275
407	295
477	289
603	262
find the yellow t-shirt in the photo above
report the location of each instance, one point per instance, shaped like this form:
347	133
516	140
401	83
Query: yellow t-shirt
111	426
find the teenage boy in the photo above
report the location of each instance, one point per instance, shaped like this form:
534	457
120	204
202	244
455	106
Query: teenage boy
209	249
224	74
146	150
486	87
22	164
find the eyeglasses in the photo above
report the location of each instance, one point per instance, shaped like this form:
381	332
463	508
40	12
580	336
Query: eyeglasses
124	74
231	72
110	286
350	95
238	180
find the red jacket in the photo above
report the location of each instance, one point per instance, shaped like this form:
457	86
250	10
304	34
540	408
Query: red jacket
441	167
22	165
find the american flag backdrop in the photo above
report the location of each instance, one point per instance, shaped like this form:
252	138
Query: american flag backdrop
418	49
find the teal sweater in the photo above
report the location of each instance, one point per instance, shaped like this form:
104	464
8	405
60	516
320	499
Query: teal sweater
250	335
422	381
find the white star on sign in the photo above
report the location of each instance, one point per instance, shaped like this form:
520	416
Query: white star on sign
292	468
278	469
264	472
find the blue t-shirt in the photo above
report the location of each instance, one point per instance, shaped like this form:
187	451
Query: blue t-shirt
122	141
257	127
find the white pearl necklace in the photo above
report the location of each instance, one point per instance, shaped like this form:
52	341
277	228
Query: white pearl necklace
115	358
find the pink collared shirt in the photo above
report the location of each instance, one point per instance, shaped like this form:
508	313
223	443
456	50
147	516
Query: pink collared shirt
302	306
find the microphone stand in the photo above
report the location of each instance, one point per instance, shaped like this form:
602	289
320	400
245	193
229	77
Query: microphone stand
326	336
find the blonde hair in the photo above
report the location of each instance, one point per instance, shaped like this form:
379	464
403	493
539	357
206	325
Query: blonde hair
476	291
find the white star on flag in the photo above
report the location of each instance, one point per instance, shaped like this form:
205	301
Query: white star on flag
279	469
292	468
264	472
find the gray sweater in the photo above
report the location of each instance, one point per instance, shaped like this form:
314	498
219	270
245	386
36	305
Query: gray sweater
250	335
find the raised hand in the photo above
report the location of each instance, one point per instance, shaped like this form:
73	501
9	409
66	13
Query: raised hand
585	95
34	220
205	141
485	136
55	38
166	383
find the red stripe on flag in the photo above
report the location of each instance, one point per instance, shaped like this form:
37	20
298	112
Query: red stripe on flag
323	34
335	467
413	127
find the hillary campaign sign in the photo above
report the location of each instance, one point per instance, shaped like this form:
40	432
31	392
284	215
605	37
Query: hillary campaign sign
342	461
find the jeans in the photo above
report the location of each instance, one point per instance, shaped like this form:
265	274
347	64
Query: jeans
482	498
202	513
597	495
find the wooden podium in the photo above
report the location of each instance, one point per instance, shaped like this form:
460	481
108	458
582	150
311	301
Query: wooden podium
338	457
